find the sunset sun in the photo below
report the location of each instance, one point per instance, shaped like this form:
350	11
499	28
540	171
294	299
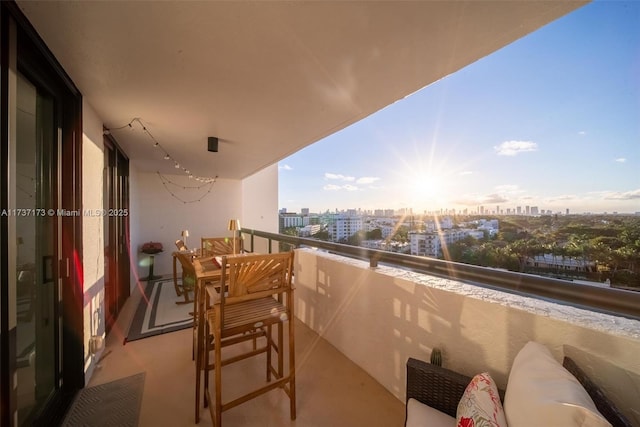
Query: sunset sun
425	188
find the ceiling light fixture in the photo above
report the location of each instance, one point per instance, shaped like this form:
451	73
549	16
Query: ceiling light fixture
212	144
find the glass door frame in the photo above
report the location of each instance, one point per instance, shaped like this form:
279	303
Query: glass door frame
22	49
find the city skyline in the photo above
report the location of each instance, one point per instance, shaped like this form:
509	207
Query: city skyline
552	120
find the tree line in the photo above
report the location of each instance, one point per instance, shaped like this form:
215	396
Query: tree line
608	246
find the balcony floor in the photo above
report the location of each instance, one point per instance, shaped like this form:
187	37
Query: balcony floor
331	390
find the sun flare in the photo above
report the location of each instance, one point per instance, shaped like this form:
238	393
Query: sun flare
425	188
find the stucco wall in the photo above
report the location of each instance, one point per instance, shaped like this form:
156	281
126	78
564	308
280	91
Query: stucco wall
92	231
157	215
380	317
260	204
160	217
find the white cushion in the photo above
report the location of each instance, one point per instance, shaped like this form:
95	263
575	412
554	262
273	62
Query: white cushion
541	392
480	404
421	415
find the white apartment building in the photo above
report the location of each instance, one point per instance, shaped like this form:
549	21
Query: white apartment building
342	227
561	263
476	234
431	243
309	230
385	225
491	226
291	220
424	244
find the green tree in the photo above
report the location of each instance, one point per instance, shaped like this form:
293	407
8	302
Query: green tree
375	234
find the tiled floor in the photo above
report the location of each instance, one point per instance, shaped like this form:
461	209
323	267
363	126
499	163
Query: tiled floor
332	391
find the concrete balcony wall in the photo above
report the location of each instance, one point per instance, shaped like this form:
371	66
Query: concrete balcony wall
260	204
378	317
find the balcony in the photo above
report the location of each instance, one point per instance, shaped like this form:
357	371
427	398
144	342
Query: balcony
356	327
332	390
366	320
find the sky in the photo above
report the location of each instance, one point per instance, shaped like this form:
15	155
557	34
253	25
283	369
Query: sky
551	120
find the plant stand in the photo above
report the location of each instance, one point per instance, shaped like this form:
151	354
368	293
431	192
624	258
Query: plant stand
151	262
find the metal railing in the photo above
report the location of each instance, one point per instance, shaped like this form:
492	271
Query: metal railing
618	302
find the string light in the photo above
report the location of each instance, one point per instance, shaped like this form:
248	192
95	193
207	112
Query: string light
166	182
206	181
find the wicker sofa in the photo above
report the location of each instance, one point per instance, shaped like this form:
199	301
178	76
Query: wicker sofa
441	389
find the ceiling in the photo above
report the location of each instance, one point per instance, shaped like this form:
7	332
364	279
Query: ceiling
266	78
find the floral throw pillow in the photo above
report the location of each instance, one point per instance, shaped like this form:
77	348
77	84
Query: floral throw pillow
480	405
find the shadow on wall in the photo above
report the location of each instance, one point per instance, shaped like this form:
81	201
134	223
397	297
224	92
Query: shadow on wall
377	321
379	317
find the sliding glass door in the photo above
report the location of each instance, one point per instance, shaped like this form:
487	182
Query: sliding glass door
116	230
38	318
41	290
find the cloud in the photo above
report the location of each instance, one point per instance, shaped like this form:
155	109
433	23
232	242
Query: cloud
346	187
511	148
562	198
474	200
466	201
582	133
340	177
465	173
627	195
494	198
331	187
367	180
285	167
621	160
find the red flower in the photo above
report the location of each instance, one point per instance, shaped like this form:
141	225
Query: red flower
151	248
465	422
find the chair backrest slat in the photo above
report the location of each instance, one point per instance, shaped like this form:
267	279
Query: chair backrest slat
216	246
185	262
188	269
181	246
256	276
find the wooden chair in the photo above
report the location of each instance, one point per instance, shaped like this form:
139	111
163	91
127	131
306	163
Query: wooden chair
181	246
179	287
217	246
255	294
187	283
188	275
208	267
